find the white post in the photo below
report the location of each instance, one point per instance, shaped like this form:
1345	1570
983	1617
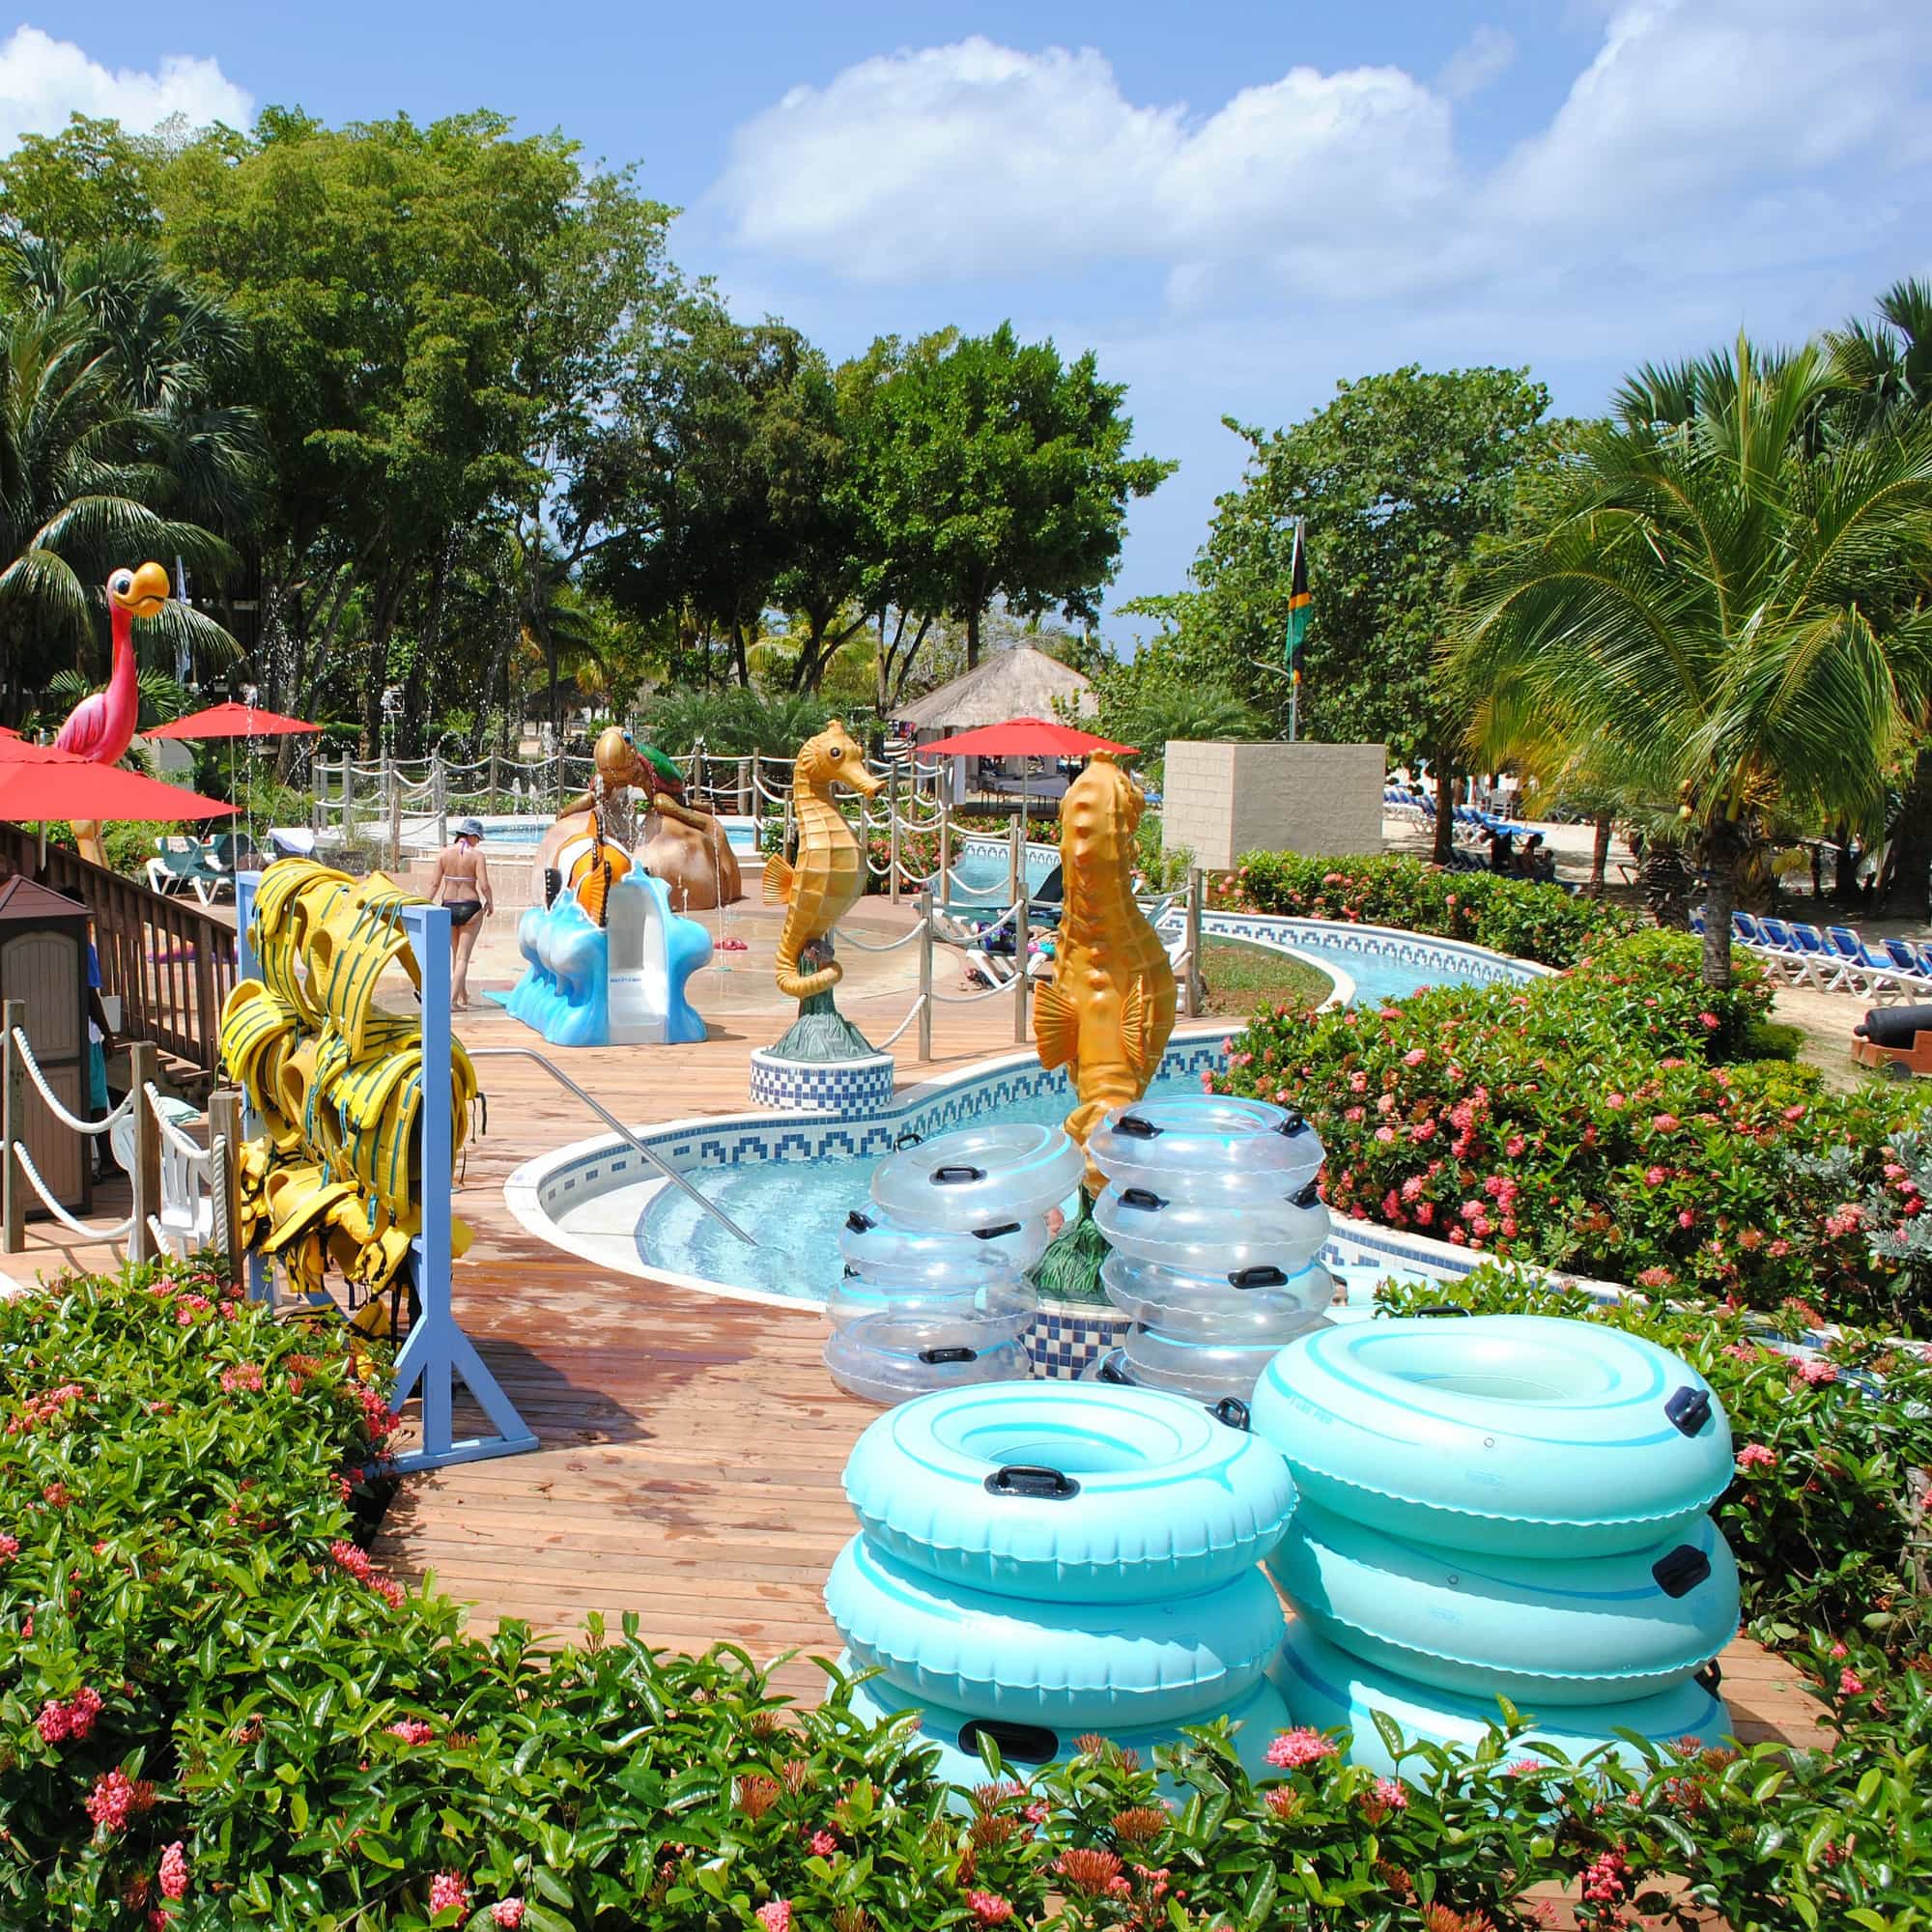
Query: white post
1018	895
926	973
1196	881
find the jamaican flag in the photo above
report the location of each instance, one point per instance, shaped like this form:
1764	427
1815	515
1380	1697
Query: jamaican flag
1299	601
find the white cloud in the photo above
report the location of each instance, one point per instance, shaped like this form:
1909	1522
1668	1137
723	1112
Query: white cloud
43	81
1694	124
1482	60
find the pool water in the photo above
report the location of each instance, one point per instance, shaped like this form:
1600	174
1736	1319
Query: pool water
796	1206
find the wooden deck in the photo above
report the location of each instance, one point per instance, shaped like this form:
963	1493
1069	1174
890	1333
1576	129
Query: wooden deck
692	1446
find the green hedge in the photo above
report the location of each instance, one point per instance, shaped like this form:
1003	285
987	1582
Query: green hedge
1515	915
215	1714
1590	1123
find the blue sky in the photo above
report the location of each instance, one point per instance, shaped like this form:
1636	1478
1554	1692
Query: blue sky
1236	204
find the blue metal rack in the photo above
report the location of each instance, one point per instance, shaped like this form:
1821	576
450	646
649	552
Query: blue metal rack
436	1354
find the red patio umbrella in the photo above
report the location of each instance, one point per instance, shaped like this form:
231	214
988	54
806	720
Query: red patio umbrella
1023	738
38	782
232	720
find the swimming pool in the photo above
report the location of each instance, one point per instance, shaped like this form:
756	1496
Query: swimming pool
792	1180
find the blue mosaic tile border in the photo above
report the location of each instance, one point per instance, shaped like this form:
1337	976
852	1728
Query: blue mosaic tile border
1476	963
846	1087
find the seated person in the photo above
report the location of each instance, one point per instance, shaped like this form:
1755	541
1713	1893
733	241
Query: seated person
1501	845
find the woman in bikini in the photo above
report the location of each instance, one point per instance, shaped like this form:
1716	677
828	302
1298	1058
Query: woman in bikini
462	883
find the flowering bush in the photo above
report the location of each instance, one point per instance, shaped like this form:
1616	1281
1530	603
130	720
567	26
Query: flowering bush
1589	1122
213	1715
1515	916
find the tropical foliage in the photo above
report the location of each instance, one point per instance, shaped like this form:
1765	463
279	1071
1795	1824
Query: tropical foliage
1612	1123
1729	619
219	1712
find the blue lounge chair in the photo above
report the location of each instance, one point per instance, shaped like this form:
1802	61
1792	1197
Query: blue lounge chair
1744	927
1906	963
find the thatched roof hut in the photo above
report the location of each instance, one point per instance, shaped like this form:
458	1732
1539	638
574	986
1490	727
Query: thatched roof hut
1019	683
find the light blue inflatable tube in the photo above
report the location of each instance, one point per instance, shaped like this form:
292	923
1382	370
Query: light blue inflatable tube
1260	1716
1084	1666
1073	1492
978	1178
1539	1633
1328	1690
1515	1434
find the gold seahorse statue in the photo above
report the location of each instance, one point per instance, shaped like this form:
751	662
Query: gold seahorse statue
1109	1007
830	874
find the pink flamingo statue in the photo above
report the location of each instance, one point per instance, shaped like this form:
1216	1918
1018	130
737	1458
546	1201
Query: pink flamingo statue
101	726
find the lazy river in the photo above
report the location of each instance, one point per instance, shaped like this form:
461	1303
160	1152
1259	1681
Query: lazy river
791	1179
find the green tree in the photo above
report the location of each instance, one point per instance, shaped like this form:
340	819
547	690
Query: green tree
1401	479
78	496
992	469
1732	624
93	182
390	274
1152	697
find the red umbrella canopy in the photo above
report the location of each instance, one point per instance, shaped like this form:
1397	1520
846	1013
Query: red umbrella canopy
233	721
38	783
1023	738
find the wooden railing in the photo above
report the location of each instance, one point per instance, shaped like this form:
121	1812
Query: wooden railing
171	962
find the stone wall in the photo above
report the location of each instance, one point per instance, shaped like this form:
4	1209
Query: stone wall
1223	800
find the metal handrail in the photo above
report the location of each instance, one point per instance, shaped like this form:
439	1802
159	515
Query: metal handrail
611	1121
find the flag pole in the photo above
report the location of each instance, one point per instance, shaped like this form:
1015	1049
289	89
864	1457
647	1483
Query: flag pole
1295	706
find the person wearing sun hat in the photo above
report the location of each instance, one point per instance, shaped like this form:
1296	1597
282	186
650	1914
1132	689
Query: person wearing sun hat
462	883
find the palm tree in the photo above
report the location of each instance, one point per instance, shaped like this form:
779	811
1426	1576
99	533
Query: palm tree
1153	710
80	492
1734	624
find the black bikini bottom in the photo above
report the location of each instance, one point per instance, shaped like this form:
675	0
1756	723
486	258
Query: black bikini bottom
462	911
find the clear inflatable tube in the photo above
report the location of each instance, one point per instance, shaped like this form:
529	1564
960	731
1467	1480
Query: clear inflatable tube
1171	1144
900	1324
1260	1305
874	1375
1206	1371
978	1178
1151	1227
882	1249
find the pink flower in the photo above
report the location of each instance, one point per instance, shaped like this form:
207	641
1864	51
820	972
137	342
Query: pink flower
1513	1145
1709	1021
1655	1176
448	1892
1756	1456
1843	1220
1604	1878
1385	1134
10	1547
1665	1123
1742	1352
1393	1793
1359	1083
1614	1101
1037	1812
412	1730
1850	1683
247	1376
1411	1188
173	1871
508	1912
775	1916
1817	1374
1656	1277
1524	1767
1838	1651
115	1798
1686	1218
1415	1056
821	1844
989	1908
1293	1751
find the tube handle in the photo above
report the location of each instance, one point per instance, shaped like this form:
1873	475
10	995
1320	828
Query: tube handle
1690	1408
994	1234
1265	1275
935	1356
1036	1480
1141	1197
956	1176
1136	1128
1681	1571
1232	1411
859	1223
